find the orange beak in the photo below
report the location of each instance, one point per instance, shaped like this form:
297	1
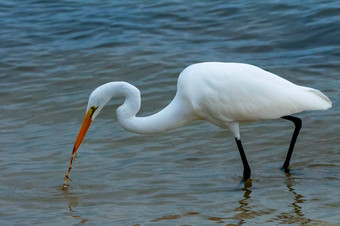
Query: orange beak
83	130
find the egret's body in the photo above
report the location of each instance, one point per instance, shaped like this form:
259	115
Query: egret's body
224	94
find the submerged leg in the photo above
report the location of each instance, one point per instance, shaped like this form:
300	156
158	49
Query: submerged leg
298	123
246	168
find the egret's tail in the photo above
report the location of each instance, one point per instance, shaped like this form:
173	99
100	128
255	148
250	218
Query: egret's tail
318	100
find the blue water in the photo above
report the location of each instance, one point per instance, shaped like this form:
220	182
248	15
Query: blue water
54	53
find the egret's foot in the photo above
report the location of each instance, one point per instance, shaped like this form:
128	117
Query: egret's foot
285	169
246	174
245	182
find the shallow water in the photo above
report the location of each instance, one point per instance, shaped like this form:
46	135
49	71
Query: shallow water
53	54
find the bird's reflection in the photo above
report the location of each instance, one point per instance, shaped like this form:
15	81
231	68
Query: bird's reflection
298	199
295	216
72	203
244	210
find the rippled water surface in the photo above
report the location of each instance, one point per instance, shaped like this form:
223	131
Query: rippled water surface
54	53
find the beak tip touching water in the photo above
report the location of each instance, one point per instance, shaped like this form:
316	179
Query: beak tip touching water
82	132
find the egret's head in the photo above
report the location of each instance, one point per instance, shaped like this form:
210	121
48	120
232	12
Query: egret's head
95	105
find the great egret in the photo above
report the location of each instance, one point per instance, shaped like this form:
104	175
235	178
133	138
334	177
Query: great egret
224	94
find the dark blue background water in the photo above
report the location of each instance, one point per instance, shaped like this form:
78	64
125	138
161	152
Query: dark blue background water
54	53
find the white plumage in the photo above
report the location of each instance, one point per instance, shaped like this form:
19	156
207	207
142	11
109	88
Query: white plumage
224	94
232	92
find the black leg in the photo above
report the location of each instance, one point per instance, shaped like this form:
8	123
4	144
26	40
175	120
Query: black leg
298	123
246	168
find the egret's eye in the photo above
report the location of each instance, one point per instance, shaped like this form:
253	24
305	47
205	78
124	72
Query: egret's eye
93	109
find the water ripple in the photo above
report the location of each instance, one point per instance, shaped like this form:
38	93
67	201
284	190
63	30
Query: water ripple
54	53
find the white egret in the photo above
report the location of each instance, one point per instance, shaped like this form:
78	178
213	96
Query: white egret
225	94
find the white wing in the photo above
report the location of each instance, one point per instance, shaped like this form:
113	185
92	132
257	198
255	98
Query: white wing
227	92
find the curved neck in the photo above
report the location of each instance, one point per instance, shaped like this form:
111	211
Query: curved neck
171	117
175	115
